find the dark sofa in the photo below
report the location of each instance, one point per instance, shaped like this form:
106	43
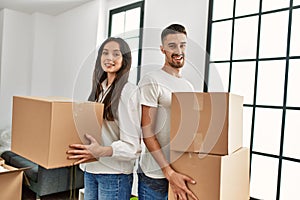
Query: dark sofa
45	181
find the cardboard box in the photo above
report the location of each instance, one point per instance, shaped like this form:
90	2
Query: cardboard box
44	127
217	177
206	122
11	183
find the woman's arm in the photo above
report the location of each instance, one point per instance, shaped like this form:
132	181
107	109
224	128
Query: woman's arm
128	146
129	111
88	152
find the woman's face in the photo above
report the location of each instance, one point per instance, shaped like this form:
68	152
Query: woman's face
111	57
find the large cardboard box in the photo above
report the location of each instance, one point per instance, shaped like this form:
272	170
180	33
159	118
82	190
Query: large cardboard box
10	182
44	127
206	122
217	177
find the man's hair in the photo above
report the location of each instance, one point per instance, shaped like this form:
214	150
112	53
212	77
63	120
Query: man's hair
172	29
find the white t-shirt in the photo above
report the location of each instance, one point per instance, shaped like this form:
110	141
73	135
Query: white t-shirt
123	135
156	90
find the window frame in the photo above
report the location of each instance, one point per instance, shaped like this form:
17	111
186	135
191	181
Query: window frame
139	4
257	59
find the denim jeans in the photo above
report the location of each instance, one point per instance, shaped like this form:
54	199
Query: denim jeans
107	186
150	188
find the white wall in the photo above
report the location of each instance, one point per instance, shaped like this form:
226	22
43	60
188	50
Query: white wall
76	40
42	58
16	59
42	55
193	15
1	39
112	4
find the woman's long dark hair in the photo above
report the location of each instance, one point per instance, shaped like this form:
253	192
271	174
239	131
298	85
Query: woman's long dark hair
111	100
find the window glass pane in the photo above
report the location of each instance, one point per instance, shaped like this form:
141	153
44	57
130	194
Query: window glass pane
242	80
221	40
130	34
267	130
296	2
263	183
291	134
290	180
270	82
245	7
222	9
133	43
117	25
247	122
274	4
245	38
273	36
295	39
293	97
126	24
132	21
134	46
133	75
218	77
134	55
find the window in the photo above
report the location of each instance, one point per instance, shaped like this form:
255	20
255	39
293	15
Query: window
254	52
127	22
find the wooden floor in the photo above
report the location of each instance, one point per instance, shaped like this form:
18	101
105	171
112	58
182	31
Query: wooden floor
27	194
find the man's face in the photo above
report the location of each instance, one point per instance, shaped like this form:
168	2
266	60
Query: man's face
173	47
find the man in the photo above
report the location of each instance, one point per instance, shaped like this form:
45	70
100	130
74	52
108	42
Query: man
156	89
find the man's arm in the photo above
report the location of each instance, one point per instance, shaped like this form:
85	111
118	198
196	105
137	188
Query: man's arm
176	180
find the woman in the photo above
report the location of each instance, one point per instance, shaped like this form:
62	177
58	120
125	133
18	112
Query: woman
111	176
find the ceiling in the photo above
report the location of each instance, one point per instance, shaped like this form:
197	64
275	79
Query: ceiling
50	7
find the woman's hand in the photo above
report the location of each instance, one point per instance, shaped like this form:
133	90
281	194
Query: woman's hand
88	152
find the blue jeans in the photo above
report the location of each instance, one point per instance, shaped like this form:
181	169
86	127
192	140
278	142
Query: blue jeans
107	186
150	188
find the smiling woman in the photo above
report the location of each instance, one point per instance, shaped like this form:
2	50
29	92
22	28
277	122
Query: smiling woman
111	176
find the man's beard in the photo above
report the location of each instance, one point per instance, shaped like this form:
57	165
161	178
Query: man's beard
177	65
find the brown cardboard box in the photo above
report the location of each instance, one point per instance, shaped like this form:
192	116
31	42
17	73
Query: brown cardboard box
206	122
11	183
217	177
44	127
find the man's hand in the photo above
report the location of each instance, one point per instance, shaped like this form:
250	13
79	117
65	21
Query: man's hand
178	184
88	152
